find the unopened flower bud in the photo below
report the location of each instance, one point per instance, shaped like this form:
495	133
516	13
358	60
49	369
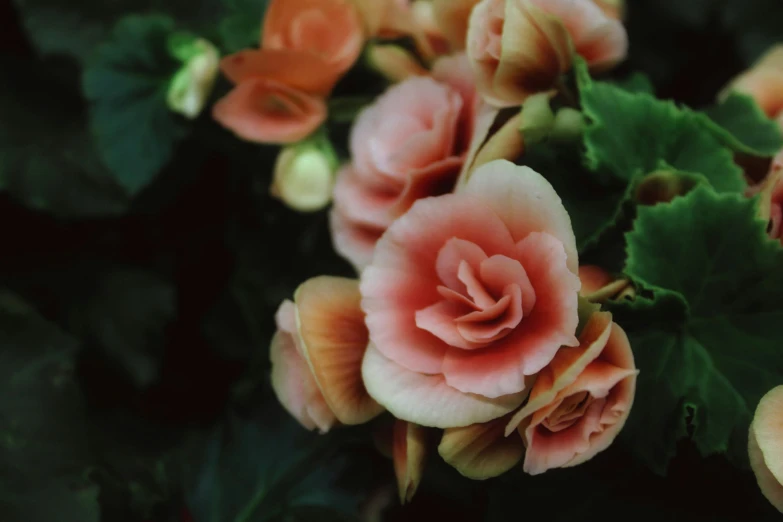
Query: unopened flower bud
663	186
304	177
537	118
191	86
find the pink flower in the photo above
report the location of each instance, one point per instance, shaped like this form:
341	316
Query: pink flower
764	83
317	352
410	144
579	402
521	47
467	296
765	446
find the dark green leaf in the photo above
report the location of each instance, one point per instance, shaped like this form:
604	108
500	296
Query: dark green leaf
126	317
47	157
76	28
126	84
712	252
636	83
593	206
43	448
632	134
241	27
269	469
740	123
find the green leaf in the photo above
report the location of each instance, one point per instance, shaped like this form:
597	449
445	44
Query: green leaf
709	251
592	206
43	443
269	469
47	158
741	124
632	134
241	27
126	84
636	83
125	317
75	29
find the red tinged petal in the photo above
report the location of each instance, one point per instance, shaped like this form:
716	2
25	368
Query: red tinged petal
500	369
268	112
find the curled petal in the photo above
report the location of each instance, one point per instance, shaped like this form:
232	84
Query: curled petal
409	452
328	29
566	367
403	277
481	451
502	367
298	71
292	381
268	112
427	399
334	339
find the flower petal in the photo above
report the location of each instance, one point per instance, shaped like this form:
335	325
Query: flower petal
427	399
295	387
334	339
768	429
500	369
409	452
526	203
262	111
403	278
566	367
481	451
770	487
299	71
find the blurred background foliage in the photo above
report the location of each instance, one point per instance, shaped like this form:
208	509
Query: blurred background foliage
143	259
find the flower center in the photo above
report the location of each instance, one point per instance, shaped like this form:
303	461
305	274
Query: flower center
483	299
568	412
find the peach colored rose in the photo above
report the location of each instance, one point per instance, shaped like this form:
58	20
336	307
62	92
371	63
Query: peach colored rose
306	47
323	326
329	31
764	83
266	111
580	402
467	296
521	47
765	446
771	190
410	144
